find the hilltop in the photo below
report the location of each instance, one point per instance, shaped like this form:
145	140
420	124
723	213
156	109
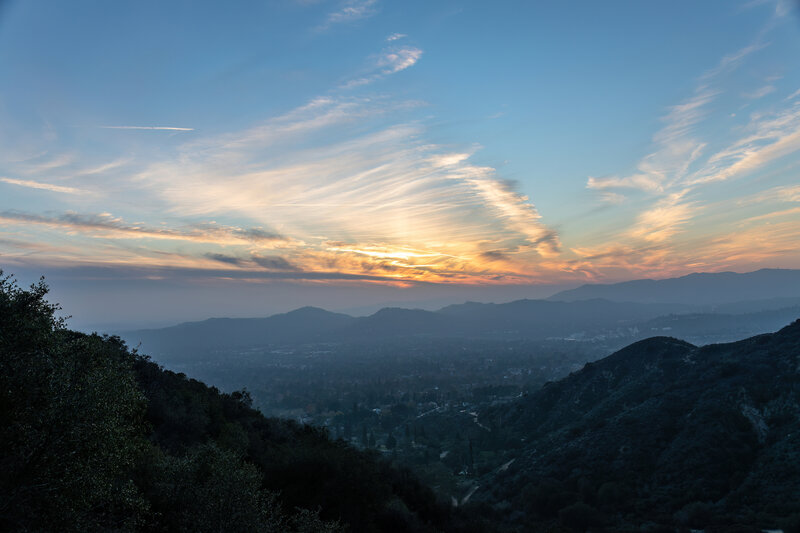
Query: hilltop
659	433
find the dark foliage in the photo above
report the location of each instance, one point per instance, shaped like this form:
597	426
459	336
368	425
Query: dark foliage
96	437
659	433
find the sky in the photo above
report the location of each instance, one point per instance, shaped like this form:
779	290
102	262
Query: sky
165	161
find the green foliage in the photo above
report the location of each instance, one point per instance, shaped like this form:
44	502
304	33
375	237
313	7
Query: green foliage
661	432
213	490
70	421
579	516
696	515
95	437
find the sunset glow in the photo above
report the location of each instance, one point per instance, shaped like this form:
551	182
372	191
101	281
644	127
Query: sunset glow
418	151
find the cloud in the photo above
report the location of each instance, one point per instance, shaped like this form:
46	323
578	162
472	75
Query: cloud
493	255
108	226
732	61
351	11
334	170
39	185
396	60
644	182
351	189
757	244
676	148
103	168
387	63
679	166
662	221
760	93
222	258
775	214
785	193
59	161
512	208
273	262
396	36
385	192
612	197
768	138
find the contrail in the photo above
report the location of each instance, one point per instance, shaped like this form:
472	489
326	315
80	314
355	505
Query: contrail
168	128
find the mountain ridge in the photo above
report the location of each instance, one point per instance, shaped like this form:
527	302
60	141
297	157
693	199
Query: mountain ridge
700	288
660	432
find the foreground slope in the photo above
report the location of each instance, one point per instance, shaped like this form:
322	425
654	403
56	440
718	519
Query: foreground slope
660	432
95	437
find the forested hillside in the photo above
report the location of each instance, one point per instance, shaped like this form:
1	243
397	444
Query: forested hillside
658	436
96	437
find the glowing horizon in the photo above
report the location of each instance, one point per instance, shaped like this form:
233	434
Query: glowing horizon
358	170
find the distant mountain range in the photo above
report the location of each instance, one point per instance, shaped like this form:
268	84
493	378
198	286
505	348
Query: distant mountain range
695	289
702	308
660	432
523	319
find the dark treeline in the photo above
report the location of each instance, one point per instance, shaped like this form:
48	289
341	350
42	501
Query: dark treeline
98	437
659	436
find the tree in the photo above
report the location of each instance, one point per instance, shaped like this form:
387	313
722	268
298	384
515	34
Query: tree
70	421
579	516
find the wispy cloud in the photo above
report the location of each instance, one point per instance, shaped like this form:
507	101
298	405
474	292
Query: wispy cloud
769	137
386	189
103	168
106	225
732	61
609	197
665	234
40	164
349	187
273	262
662	221
786	193
351	11
39	185
760	92
396	60
676	147
388	62
645	182
223	258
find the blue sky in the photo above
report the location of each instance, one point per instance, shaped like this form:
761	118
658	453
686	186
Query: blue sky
264	155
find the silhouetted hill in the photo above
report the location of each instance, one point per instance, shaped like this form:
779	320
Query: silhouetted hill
595	320
660	432
396	322
755	306
695	289
304	325
96	438
543	318
708	328
523	319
